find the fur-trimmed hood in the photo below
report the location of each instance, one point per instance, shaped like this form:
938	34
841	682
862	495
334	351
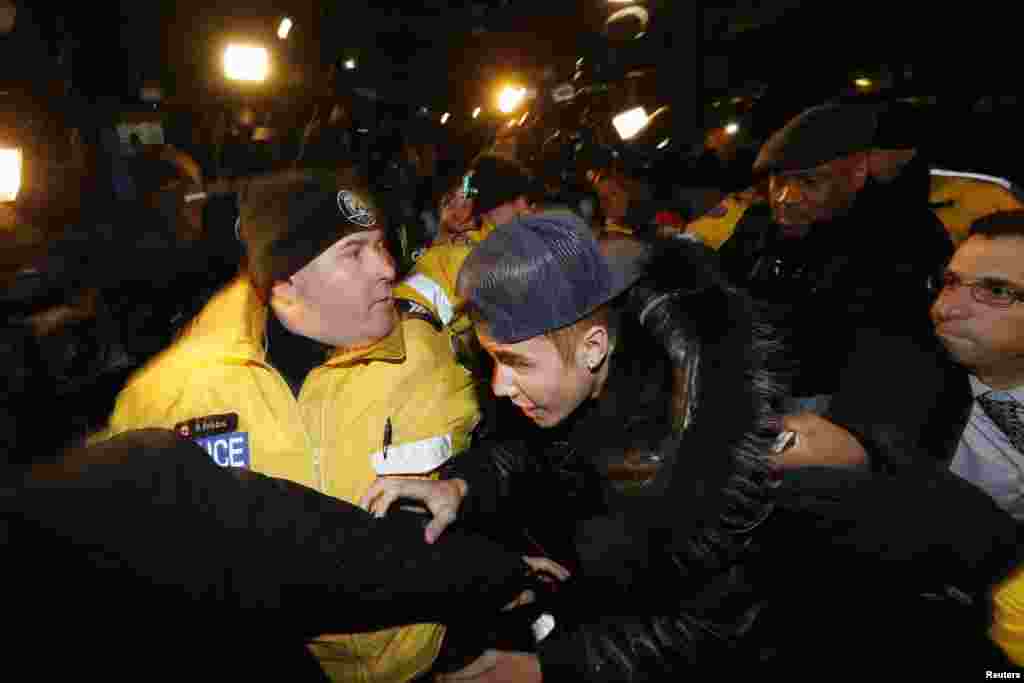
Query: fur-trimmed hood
698	377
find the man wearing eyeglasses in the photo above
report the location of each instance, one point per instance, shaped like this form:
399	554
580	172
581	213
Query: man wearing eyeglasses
979	319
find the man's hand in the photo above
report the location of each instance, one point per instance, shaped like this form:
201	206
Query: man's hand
498	666
442	497
820	442
547	570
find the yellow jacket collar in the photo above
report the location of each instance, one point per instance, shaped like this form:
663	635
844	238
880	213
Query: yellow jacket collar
233	322
390	348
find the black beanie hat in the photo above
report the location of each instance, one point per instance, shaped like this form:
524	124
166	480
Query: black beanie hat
287	219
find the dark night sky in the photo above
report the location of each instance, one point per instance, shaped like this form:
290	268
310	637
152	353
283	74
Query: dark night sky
451	53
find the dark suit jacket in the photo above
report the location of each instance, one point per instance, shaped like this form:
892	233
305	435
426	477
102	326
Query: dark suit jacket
852	301
903	398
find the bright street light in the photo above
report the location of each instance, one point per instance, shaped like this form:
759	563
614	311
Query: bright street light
638	13
284	28
10	174
445	117
246	63
476	112
629	123
510	99
732	128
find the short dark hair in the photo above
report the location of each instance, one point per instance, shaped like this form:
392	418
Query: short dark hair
496	180
999	224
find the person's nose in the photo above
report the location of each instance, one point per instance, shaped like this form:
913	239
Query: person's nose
953	303
386	264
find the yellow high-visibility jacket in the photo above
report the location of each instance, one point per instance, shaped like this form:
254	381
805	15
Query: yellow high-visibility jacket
214	385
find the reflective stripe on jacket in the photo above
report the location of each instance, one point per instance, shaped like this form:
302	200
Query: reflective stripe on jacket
433	279
959	199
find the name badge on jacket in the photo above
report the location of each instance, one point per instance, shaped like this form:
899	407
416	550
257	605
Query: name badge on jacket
217	435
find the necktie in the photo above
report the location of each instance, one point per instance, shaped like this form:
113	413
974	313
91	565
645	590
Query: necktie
1004	413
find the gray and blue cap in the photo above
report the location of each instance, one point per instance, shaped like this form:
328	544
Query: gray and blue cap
542	272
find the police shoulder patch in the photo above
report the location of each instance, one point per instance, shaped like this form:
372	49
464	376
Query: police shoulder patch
355	210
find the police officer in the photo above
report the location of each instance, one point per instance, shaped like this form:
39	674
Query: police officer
302	368
143	539
494	191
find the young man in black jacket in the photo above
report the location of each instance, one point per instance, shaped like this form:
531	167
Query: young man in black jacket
677	574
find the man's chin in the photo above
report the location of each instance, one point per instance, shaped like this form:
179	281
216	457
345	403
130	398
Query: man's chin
386	316
371	333
387	327
958	347
539	417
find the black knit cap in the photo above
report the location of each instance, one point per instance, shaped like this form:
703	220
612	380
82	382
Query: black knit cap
287	219
494	180
817	136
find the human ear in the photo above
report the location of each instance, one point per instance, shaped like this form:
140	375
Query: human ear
593	347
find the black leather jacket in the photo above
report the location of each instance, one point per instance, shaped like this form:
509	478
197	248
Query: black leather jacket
715	559
132	537
658	575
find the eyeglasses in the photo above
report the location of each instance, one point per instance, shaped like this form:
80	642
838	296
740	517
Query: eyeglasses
986	291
